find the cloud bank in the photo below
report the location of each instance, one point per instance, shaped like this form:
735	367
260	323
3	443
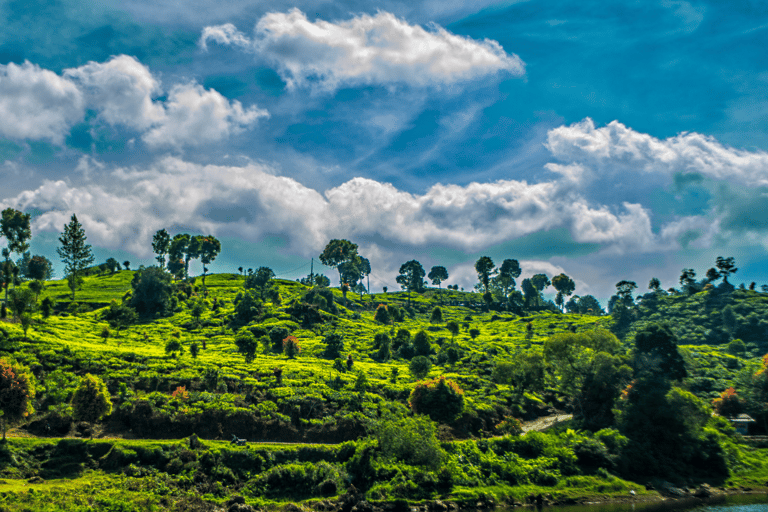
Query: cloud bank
36	103
380	49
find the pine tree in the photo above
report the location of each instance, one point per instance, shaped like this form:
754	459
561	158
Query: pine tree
74	252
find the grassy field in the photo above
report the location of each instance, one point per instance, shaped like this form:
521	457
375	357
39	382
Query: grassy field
145	462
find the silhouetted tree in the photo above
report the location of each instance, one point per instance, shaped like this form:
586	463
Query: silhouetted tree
484	267
411	277
161	244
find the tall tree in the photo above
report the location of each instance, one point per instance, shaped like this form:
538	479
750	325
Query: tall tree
74	252
727	266
564	286
365	271
178	259
14	226
411	277
688	280
505	279
161	243
484	267
656	353
654	284
338	252
210	247
437	275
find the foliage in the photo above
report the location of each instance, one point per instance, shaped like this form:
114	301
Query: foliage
420	366
382	314
412	440
334	344
656	352
91	400
14	226
16	393
74	252
161	243
152	290
411	277
441	399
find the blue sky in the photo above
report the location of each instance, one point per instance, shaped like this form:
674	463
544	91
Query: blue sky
606	140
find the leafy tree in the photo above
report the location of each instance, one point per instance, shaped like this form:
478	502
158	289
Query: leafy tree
411	277
14	226
474	333
194	350
119	316
152	291
21	301
526	371
39	268
16	393
209	248
410	439
334	344
113	265
727	266
179	255
420	367
259	280
688	280
484	267
161	244
437	275
338	252
291	346
382	314
74	252
621	306
728	404
586	305
505	279
198	308
453	328
276	337
712	275
248	306
532	296
127	265
564	286
91	400
441	399
437	316
173	347
421	344
656	353
246	345
654	284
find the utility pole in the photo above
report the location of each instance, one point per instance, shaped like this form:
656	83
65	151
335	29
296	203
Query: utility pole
312	272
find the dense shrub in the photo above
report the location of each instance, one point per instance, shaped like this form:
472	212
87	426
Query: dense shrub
441	399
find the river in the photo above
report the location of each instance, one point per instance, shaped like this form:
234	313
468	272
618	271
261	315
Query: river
733	503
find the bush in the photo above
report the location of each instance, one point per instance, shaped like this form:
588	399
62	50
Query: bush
152	290
421	344
246	345
412	440
382	314
334	344
441	399
420	366
276	337
91	400
437	316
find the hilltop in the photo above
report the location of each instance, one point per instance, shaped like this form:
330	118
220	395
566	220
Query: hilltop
341	389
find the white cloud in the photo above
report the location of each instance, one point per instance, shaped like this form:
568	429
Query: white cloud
615	149
380	49
194	116
37	104
122	90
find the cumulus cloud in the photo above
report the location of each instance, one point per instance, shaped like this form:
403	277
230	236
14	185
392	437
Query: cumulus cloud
380	49
122	90
251	201
615	149
37	104
194	116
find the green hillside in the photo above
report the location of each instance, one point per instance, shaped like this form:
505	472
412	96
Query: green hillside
349	417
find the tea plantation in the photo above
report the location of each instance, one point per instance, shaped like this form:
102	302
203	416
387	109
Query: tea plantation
374	401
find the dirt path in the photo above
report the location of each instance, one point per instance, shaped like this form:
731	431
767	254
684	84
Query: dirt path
545	422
